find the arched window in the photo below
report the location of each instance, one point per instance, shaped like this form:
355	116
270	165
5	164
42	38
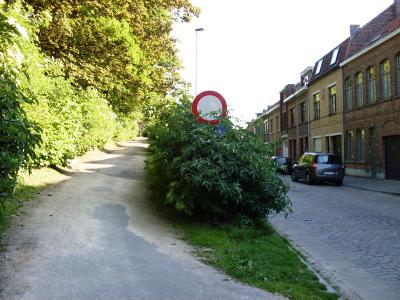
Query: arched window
371	79
359	86
384	73
348	93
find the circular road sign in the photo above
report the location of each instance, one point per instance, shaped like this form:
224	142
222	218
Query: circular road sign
209	107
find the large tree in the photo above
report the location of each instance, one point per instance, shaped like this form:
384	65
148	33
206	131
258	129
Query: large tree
123	48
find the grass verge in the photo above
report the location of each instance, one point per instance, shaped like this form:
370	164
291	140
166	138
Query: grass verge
258	256
29	185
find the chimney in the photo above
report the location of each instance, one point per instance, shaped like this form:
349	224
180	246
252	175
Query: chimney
397	7
355	27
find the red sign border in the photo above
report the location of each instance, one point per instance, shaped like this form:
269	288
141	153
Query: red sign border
209	93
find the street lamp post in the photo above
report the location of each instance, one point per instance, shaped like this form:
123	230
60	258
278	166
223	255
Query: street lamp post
195	81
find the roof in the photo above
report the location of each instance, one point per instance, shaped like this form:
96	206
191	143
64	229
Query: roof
326	65
378	28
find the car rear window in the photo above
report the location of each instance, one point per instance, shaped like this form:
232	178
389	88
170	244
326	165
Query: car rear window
329	159
306	159
281	160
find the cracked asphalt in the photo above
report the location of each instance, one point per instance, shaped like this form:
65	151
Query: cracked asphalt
96	235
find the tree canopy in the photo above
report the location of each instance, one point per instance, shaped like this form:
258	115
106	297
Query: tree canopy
123	48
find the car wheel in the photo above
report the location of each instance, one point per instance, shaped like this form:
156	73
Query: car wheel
339	183
294	178
308	179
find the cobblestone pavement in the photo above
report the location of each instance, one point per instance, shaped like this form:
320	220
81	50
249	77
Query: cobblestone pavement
354	235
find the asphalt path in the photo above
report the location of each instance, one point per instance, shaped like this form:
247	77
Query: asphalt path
96	235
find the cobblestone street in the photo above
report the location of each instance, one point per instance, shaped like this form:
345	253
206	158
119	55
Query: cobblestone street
353	234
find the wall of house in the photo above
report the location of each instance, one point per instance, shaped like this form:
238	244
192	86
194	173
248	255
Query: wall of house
328	124
383	115
275	131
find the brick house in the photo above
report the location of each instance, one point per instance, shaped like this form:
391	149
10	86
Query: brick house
297	117
325	102
273	120
259	126
371	80
283	111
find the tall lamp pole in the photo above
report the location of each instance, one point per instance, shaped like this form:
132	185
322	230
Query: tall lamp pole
195	81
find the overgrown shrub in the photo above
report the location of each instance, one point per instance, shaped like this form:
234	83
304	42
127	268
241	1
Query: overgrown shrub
209	175
127	128
40	102
18	136
98	120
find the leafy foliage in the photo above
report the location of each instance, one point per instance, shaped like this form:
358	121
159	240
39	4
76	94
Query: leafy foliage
123	48
18	135
202	173
75	74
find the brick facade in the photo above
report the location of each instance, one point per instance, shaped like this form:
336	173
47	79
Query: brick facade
364	130
379	119
328	127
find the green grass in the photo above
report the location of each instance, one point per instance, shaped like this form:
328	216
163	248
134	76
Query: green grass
29	185
257	256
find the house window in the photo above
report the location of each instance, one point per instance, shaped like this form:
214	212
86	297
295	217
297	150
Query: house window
332	99
359	85
360	144
277	123
371	79
348	93
271	125
302	112
349	145
334	56
317	145
384	70
398	73
292	117
317	106
319	66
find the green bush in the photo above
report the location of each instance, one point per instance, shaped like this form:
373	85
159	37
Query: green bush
127	128
98	120
18	136
208	175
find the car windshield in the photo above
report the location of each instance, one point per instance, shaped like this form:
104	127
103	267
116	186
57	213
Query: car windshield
329	159
281	160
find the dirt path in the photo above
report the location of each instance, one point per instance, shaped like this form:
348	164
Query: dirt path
96	236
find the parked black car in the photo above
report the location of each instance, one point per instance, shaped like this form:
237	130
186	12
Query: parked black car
283	163
319	167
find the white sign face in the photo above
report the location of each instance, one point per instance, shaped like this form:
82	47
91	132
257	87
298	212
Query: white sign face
209	107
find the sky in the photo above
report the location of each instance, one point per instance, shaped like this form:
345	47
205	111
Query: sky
250	50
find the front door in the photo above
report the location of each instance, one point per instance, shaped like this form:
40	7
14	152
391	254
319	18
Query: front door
392	157
337	145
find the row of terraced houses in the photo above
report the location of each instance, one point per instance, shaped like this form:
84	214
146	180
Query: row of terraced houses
348	103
